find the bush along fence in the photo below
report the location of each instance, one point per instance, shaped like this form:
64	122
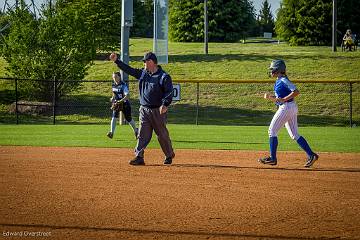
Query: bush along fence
321	103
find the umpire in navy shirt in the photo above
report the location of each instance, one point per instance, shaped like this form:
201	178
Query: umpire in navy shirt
155	94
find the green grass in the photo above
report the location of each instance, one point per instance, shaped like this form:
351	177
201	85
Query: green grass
222	104
237	61
322	139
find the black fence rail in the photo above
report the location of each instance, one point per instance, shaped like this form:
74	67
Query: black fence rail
327	103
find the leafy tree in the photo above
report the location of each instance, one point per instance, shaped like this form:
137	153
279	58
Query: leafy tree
228	20
103	18
58	46
4	27
309	22
231	20
186	20
348	17
265	19
4	23
143	18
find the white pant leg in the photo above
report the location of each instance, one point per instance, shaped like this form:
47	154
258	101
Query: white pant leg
292	124
279	120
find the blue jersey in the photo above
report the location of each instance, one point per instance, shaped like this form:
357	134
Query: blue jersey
120	90
283	87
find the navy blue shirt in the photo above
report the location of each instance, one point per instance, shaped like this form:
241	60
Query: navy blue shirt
120	90
155	89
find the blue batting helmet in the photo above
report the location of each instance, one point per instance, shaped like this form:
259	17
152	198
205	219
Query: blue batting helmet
277	66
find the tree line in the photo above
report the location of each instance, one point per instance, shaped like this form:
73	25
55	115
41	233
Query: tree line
63	42
309	22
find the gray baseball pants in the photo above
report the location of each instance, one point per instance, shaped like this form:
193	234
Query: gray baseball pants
150	119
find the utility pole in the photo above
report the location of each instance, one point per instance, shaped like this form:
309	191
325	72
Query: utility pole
206	47
126	23
334	19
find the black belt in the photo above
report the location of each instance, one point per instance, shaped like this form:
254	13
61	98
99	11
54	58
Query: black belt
150	107
291	100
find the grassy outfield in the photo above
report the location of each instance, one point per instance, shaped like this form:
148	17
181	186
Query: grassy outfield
321	104
237	61
322	139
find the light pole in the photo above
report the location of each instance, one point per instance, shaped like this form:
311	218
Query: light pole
206	47
334	25
126	23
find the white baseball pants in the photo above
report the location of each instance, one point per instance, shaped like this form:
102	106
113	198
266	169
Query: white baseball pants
285	115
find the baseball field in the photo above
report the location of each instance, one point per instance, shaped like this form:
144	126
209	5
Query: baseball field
56	185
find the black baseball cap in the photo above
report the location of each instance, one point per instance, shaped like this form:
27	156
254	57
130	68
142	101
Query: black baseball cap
150	56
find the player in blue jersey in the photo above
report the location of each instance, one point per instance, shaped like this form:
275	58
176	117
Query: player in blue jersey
285	92
120	94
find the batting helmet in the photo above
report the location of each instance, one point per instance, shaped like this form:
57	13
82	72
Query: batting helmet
277	66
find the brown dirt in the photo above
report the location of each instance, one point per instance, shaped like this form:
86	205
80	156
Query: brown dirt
92	193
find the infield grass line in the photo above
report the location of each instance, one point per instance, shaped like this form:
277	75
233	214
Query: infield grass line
321	139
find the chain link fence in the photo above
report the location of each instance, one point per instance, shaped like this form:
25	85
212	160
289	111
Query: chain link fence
203	103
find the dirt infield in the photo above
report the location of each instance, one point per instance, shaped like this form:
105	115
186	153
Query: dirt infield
92	193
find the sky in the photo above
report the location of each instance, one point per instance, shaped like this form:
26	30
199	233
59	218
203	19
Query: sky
275	4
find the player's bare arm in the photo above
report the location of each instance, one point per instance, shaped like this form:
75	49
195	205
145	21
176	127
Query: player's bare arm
112	96
273	98
270	97
136	73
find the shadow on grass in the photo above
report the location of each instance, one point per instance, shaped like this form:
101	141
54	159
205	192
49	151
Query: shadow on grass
211	115
237	56
95	109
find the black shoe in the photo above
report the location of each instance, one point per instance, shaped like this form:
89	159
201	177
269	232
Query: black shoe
110	135
268	160
168	160
137	161
310	161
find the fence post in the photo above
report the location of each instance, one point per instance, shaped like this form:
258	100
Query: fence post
54	101
197	103
16	102
351	125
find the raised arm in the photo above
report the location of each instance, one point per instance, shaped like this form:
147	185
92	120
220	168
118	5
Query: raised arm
136	73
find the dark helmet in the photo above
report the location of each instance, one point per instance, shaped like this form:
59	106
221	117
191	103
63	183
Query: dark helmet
277	66
117	77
